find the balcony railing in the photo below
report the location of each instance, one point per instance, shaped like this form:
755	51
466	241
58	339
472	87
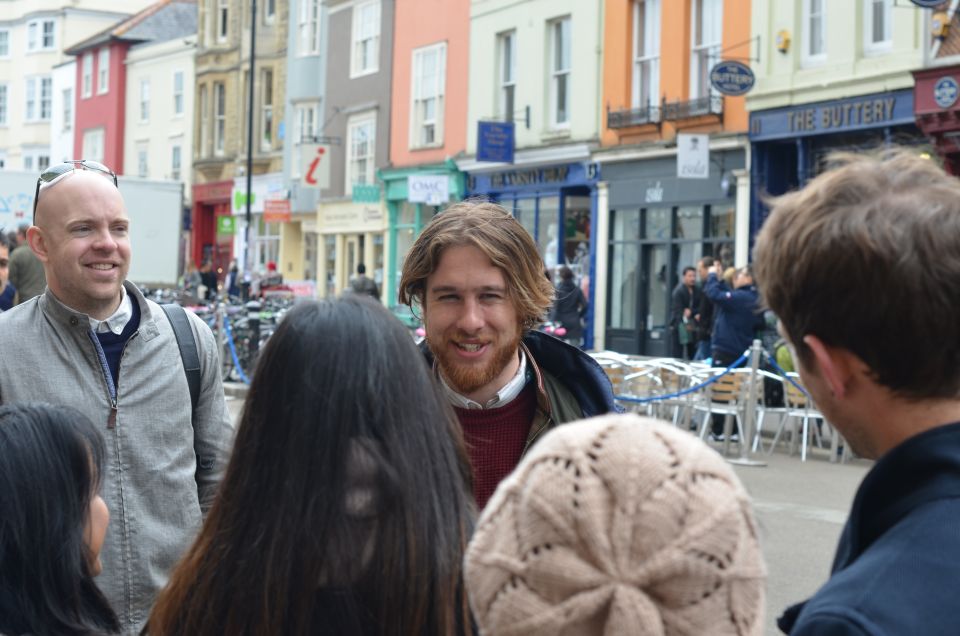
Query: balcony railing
711	105
649	114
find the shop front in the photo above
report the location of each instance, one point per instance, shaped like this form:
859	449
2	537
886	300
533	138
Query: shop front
349	234
791	145
557	204
211	239
936	98
264	228
413	196
656	224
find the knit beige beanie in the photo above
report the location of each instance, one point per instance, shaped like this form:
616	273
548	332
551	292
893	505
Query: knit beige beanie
618	525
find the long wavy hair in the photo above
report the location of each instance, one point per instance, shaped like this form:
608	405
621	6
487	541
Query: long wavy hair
346	504
50	461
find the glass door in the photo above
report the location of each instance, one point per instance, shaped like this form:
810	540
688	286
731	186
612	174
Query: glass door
655	292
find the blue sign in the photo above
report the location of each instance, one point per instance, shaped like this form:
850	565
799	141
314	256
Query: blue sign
927	4
495	141
825	118
945	92
732	78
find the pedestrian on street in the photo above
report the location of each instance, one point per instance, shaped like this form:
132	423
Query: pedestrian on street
862	267
619	525
363	284
7	291
569	308
52	524
684	303
26	271
346	507
92	341
704	313
477	276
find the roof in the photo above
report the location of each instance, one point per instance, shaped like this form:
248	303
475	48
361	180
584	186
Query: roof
161	21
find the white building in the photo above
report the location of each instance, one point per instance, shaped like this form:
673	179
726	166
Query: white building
158	136
33	36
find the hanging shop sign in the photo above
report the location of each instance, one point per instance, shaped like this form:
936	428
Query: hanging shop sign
432	189
732	78
495	141
226	225
945	92
315	166
693	156
276	211
927	4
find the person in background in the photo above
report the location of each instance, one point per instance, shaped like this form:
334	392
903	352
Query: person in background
342	512
363	284
232	282
52	524
862	267
208	277
26	271
477	277
191	279
569	308
684	302
618	525
7	291
704	313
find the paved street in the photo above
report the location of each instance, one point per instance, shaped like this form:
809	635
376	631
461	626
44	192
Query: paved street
801	507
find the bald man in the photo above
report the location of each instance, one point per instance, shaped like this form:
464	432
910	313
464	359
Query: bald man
92	341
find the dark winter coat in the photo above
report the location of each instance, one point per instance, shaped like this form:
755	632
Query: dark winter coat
568	308
736	317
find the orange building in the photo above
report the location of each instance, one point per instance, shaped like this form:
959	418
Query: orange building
428	118
658	55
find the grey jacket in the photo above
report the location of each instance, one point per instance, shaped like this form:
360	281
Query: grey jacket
152	481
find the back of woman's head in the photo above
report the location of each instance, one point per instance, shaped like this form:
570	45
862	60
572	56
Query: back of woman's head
345	505
50	461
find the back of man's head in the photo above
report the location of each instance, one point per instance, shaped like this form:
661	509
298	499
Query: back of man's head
361	268
867	258
495	232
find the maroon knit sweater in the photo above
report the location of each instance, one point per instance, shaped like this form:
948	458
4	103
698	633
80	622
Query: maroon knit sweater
495	440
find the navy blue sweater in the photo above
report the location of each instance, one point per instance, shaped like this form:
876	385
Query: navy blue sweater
736	317
898	561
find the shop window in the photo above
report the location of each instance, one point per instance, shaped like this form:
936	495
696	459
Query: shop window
526	212
547	233
624	259
722	220
690	222
657	224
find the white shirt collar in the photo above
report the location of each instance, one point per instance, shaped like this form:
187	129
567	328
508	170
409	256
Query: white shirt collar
118	320
504	396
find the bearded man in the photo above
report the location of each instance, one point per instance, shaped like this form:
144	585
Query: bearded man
477	277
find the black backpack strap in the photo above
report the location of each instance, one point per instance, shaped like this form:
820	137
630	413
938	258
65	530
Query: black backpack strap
177	316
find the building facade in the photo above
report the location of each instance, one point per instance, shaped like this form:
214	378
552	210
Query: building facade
221	133
351	215
937	89
653	221
527	69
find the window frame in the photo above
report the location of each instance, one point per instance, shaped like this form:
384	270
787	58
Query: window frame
222	27
359	38
507	75
418	124
808	58
86	75
308	28
266	109
203	106
176	161
178	94
103	70
37	35
356	122
648	57
5	51
66	95
557	73
704	47
269	11
143	159
38	98
144	100
89	134
219	118
870	45
4	103
300	110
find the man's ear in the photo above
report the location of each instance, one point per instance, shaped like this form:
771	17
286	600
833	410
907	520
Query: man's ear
37	242
835	364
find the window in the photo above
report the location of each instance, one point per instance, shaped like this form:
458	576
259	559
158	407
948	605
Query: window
93	144
366	38
877	26
814	48
4	43
175	163
307	122
204	118
223	17
39	103
3	104
309	27
144	100
87	75
220	116
646	54
507	53
143	153
429	75
28	162
559	72
103	71
40	35
67	108
706	35
269	11
361	140
178	93
266	110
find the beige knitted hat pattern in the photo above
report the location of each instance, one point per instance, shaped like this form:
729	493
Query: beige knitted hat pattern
618	525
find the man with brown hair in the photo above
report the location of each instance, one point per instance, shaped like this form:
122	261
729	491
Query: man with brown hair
477	277
862	267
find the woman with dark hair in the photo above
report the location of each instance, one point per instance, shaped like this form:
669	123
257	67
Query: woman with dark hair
569	307
346	507
52	523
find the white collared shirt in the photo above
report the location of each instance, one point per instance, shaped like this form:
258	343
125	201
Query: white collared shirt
504	396
118	320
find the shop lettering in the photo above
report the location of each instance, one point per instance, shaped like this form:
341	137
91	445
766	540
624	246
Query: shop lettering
654	194
870	111
528	177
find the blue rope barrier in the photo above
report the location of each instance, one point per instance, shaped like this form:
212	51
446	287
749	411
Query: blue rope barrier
233	351
736	363
776	367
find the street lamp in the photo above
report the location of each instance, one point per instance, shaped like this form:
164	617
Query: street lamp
248	255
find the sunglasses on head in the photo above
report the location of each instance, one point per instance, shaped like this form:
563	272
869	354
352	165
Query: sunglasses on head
53	173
